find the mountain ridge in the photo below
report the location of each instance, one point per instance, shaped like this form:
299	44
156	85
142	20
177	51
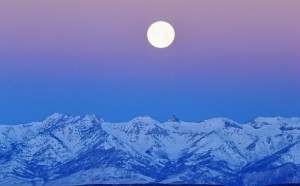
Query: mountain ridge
171	119
88	150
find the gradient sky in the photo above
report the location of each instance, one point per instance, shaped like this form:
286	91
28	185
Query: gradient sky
235	59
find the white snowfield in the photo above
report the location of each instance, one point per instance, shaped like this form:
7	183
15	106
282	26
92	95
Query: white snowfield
67	150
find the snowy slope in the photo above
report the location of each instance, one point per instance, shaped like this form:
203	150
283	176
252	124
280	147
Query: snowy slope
85	149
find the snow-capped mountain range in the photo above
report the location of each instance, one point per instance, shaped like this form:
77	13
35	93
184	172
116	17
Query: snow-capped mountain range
71	150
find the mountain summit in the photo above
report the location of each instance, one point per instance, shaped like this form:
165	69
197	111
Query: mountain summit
174	119
74	150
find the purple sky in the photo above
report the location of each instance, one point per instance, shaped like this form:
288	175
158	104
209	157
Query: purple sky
237	59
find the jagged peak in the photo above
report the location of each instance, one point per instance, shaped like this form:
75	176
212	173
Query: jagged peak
277	120
174	118
56	116
92	117
221	122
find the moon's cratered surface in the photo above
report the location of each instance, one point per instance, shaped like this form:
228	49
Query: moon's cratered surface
161	34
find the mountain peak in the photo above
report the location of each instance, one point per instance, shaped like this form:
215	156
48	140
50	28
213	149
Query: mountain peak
219	120
55	116
174	119
267	119
146	119
92	117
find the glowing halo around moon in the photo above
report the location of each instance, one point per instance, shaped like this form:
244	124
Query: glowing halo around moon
161	34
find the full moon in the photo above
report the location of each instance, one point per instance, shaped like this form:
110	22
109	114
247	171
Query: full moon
161	34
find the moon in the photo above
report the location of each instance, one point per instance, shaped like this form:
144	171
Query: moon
161	34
